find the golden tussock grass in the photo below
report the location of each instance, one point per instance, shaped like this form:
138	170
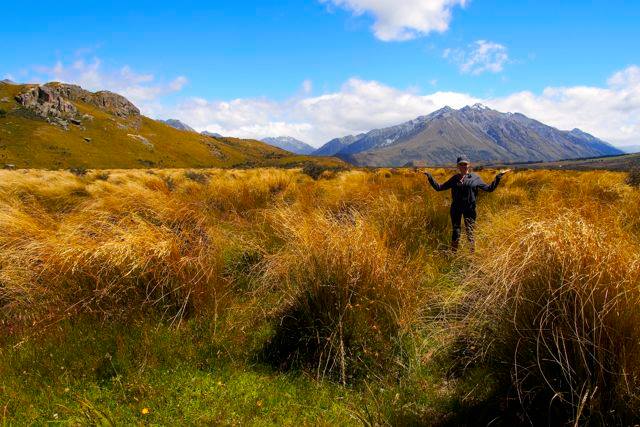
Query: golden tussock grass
347	295
347	269
553	292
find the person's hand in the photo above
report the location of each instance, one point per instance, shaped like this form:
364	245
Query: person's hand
427	174
504	172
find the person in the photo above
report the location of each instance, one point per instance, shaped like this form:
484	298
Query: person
464	192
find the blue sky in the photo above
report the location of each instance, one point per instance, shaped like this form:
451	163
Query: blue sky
265	67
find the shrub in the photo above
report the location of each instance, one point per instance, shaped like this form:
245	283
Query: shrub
3	113
555	305
78	170
198	177
633	178
316	170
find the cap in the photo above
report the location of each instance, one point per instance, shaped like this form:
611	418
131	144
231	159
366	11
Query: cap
462	159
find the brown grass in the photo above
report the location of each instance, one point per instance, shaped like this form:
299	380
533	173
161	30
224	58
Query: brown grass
348	296
348	270
554	295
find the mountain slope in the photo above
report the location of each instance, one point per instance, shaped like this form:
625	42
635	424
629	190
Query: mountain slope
177	124
56	126
290	144
479	132
334	146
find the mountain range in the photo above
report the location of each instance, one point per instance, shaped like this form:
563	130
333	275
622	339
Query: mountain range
59	126
483	134
177	124
290	144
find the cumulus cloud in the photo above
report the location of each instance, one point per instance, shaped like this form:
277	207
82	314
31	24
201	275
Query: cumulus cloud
358	106
611	112
627	77
399	20
479	57
142	89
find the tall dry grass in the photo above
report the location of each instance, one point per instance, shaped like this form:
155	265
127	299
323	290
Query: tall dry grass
553	292
348	297
348	268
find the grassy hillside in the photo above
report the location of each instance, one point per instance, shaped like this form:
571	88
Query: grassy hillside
265	297
108	141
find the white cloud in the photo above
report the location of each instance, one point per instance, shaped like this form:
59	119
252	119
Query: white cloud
358	106
398	20
611	112
142	89
9	77
626	77
479	57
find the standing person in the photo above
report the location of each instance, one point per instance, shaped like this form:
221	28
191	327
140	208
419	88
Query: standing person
464	192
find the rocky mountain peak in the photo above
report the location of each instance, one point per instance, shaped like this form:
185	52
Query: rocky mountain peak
482	133
290	144
211	134
177	124
479	106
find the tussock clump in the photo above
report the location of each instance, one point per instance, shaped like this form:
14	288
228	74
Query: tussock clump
414	223
348	296
555	304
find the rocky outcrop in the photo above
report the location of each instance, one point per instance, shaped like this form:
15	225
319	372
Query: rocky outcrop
55	100
111	102
47	103
115	104
143	140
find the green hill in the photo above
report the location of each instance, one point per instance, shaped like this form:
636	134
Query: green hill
58	126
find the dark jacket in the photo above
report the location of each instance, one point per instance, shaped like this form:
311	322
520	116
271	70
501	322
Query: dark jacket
464	192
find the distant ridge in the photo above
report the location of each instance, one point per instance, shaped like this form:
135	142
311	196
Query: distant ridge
483	134
177	124
290	144
334	146
211	134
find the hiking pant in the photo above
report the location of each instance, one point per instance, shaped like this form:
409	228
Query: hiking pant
469	214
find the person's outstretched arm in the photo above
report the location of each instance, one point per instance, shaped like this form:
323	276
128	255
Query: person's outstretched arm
438	187
490	187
